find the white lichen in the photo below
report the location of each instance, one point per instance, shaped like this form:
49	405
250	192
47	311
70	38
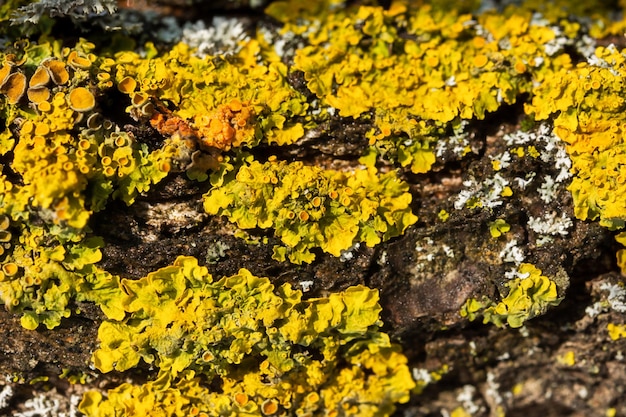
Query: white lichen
305	286
40	405
486	194
550	224
492	391
512	253
348	254
224	36
423	375
458	143
547	190
466	398
5	396
615	300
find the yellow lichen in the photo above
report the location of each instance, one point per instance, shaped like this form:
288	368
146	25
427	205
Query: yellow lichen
40	78
38	94
528	296
14	87
57	70
616	331
309	207
81	99
251	343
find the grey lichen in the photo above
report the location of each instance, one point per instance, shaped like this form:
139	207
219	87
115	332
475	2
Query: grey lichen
78	10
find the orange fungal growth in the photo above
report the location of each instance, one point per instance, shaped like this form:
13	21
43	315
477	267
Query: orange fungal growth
14	87
81	99
169	125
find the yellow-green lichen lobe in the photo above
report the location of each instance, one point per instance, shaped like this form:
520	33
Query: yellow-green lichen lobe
241	331
529	296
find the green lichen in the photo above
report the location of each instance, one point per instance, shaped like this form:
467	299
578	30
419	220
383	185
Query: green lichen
263	346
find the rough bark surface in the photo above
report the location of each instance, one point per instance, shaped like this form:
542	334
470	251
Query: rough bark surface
490	371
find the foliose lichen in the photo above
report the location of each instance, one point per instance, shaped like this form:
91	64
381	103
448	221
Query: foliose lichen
311	207
64	158
269	351
529	295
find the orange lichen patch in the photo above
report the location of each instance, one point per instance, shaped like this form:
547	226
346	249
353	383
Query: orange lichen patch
81	99
138	99
40	78
58	71
44	106
127	85
77	61
39	94
42	129
520	67
480	60
269	407
168	125
229	125
14	87
4	223
241	399
5	236
4	74
10	269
